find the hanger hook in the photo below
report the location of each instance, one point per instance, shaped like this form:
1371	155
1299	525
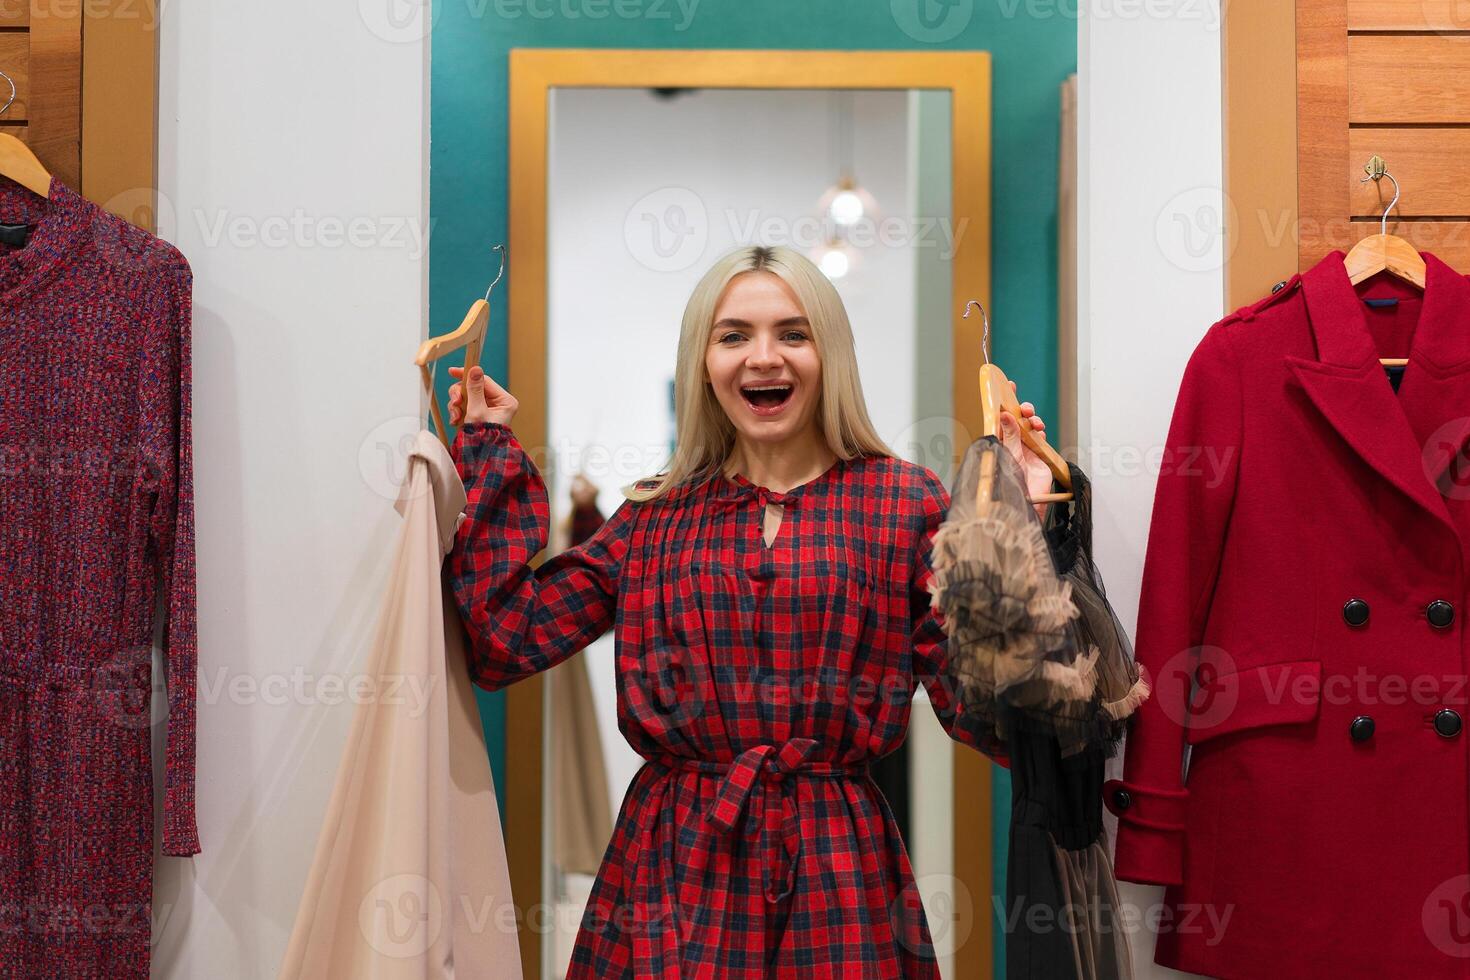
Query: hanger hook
1377	169
985	318
501	250
11	101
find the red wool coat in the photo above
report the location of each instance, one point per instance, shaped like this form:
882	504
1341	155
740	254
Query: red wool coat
1302	617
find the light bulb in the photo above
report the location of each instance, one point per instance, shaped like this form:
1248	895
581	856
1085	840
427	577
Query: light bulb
834	263
846	208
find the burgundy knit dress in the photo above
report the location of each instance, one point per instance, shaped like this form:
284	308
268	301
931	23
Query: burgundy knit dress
96	501
759	681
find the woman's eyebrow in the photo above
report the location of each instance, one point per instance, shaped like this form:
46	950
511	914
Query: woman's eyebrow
790	321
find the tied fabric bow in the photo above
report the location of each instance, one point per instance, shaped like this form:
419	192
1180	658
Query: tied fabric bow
761	771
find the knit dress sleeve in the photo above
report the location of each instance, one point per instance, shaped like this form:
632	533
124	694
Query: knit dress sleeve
166	443
522	620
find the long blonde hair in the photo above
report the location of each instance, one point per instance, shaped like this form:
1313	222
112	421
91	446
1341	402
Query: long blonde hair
703	434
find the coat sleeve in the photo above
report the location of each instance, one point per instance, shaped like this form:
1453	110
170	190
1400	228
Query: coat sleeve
1191	513
522	620
931	644
167	445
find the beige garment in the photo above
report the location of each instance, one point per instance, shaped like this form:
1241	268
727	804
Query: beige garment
581	811
410	877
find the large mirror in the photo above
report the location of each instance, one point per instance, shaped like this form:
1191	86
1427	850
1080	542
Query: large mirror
626	196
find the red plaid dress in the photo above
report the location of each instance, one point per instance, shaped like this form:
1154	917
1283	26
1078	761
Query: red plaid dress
758	681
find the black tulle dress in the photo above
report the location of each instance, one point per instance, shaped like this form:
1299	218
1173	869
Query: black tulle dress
1039	652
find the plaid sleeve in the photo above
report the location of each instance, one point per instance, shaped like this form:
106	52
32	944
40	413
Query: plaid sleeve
522	620
931	644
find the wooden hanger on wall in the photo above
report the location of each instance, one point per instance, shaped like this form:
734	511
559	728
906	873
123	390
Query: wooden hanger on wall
470	335
996	396
1384	252
16	159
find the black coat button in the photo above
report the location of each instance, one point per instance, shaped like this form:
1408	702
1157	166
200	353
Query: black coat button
1355	612
1122	799
1447	722
1361	729
1441	614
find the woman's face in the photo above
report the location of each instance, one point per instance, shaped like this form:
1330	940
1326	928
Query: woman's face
762	361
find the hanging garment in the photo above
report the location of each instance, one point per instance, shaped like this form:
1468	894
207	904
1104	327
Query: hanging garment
758	681
96	502
581	815
410	878
1302	618
1042	657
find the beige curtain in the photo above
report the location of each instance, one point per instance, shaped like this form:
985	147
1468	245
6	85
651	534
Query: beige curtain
410	877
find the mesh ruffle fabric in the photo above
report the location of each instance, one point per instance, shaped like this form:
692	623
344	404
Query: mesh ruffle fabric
1037	651
1034	644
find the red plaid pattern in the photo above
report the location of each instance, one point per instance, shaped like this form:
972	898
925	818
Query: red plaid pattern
758	680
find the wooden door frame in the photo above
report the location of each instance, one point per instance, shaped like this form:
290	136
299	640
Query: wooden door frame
533	73
1258	60
119	107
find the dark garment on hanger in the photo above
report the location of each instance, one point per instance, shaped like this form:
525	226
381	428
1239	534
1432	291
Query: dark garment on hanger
1055	687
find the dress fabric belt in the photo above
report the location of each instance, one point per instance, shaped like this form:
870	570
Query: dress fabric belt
762	769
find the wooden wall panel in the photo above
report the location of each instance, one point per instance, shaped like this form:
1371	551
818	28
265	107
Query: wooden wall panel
15	61
1412	78
1408	15
15	13
1432	167
54	118
1391	78
1322	129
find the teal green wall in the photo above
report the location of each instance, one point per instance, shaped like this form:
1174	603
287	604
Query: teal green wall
1031	54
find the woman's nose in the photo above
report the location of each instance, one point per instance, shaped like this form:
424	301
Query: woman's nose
763	353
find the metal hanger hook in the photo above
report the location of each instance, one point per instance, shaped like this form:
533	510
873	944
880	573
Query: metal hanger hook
501	250
1376	169
984	318
11	101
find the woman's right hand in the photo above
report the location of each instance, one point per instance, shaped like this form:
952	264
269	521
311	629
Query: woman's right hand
486	402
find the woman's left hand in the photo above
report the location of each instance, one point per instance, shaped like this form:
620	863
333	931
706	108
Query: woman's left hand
1038	474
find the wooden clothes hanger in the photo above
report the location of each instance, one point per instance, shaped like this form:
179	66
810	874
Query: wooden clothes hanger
470	335
1384	252
996	396
16	159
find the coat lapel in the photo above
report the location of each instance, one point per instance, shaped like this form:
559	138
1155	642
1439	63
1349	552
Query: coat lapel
1435	391
1350	390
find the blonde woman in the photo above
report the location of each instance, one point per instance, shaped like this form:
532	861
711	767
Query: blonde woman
768	592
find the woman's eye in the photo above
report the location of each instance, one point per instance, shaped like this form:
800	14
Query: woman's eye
730	337
796	335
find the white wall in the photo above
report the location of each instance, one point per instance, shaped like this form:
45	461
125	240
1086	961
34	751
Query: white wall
1150	283
293	173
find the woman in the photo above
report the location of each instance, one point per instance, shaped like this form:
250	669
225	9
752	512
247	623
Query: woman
769	595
